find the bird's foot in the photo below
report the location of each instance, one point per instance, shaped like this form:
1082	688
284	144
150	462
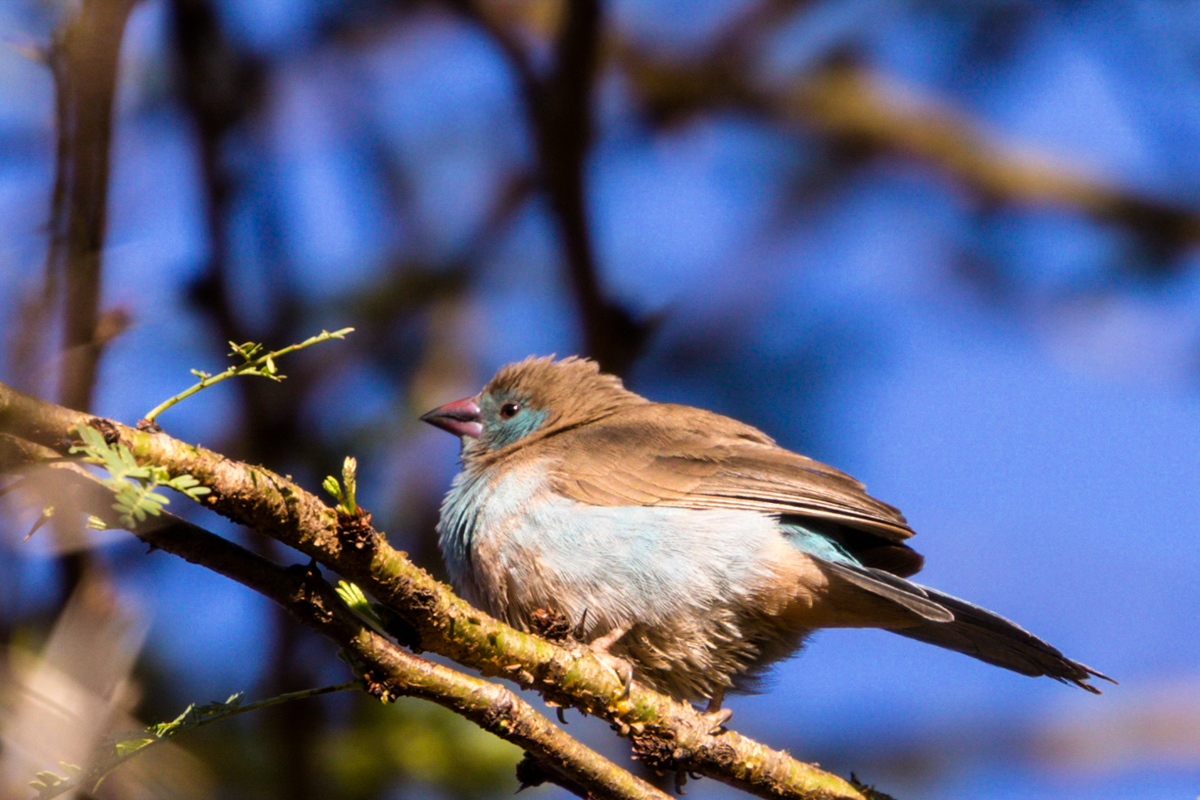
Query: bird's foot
715	715
620	668
716	720
681	777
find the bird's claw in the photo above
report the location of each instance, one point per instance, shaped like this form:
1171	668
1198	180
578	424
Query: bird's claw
716	720
620	668
714	714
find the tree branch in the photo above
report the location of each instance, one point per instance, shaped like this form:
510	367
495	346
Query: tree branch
665	734
388	671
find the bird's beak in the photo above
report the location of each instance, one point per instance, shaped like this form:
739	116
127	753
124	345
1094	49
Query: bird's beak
460	417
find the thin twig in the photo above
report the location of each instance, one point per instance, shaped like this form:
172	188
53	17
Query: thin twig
141	741
260	365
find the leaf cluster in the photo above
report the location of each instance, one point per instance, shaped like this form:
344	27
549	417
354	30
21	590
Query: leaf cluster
133	485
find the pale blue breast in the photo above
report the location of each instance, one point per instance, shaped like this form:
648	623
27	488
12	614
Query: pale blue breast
512	545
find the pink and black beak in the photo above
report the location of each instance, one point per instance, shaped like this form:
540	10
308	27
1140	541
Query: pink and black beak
460	417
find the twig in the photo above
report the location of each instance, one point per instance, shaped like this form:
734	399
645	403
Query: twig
191	719
252	364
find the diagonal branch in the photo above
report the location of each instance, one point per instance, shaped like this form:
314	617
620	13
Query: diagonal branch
665	734
388	671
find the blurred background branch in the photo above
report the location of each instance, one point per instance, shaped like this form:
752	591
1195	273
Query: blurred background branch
559	106
63	324
865	115
84	61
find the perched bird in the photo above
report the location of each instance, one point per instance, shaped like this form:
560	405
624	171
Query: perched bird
683	543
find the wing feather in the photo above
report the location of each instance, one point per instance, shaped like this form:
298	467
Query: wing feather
660	454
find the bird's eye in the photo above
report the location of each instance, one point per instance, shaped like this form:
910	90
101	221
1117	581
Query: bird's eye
509	410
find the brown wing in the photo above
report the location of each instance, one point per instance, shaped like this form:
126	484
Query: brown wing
660	454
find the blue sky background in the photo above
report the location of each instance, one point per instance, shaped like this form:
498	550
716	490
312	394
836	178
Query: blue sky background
1040	427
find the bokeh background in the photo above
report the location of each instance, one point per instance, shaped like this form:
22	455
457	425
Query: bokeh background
950	248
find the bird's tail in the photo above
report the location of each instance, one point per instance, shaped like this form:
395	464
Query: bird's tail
990	637
969	629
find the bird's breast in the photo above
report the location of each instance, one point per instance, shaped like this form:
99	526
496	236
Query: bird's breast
481	512
514	546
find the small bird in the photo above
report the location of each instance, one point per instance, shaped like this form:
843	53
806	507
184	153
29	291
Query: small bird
684	545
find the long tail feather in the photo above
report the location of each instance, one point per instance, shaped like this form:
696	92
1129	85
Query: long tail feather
989	637
957	625
898	590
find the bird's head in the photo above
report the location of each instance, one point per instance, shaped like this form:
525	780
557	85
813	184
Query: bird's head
530	400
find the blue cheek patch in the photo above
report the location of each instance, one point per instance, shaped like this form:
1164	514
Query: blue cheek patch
517	428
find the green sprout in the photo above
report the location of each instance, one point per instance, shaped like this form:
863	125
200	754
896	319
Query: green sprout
347	505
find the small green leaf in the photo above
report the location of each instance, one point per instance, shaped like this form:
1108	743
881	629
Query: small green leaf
246	350
92	436
351	594
357	602
154	499
130	463
131	746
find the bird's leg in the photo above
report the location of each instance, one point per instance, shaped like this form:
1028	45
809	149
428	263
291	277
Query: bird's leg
619	666
715	714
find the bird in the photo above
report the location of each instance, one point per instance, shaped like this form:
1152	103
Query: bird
681	545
